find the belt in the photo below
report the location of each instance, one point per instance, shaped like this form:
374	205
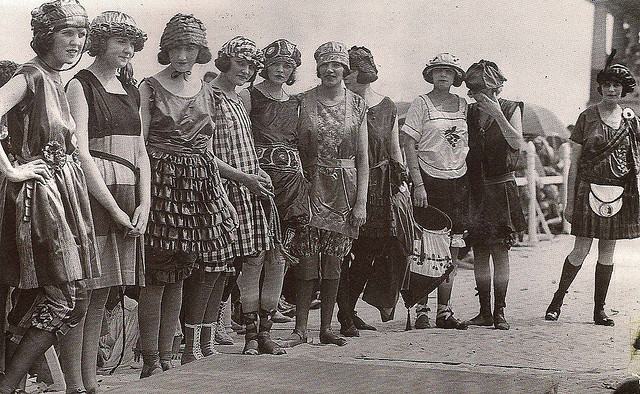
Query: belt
278	157
504	178
117	159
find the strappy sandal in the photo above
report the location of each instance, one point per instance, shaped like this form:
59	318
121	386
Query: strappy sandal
267	346
296	338
329	338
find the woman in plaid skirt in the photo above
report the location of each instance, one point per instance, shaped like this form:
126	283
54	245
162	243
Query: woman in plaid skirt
602	195
239	60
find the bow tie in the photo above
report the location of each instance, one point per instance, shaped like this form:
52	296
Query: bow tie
177	74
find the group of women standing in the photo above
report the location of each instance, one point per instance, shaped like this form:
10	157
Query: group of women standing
173	185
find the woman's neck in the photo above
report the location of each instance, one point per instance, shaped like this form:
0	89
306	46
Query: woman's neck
52	65
331	92
440	93
608	106
102	71
224	84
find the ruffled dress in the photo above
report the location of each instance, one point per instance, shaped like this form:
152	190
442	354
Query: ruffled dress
188	211
46	228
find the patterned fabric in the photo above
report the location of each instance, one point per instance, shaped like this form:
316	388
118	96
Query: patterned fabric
495	213
233	144
441	137
183	29
52	308
274	125
328	143
484	75
122	257
608	157
332	51
56	14
309	241
282	50
114	24
46	228
243	48
189	213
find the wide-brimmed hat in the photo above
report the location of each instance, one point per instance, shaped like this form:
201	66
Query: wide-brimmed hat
243	48
444	60
57	14
484	75
282	50
183	29
332	51
114	24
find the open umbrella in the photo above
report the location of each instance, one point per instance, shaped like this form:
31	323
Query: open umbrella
430	262
539	121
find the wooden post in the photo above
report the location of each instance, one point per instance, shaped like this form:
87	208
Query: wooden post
565	156
531	187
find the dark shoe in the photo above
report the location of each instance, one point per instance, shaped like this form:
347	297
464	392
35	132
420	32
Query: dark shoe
149	370
251	347
360	324
296	338
601	319
636	343
329	338
267	346
569	272
499	321
278	317
350	331
166	365
481	320
422	322
450	322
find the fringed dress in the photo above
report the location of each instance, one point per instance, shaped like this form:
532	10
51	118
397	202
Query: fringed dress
188	213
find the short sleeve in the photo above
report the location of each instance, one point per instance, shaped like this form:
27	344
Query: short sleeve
413	123
577	135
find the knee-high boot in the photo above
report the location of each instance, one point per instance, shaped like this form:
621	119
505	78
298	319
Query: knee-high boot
603	278
569	272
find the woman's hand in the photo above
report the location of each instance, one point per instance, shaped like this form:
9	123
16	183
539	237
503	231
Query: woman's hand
358	214
489	105
36	169
120	217
139	220
259	184
420	197
568	211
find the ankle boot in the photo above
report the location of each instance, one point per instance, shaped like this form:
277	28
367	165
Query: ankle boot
603	278
484	317
569	272
192	350
265	344
251	336
207	339
347	328
150	365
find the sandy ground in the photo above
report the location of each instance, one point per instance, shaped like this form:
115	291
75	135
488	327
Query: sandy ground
582	357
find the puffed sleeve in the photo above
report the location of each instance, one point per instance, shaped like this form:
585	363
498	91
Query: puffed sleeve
413	123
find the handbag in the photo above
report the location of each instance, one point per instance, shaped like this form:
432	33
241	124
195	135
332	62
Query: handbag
605	200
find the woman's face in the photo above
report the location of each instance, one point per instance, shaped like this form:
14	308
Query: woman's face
279	72
118	51
66	45
183	57
331	73
443	77
611	91
240	70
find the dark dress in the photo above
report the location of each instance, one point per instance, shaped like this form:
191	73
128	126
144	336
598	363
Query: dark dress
46	228
495	214
609	157
114	136
274	125
188	215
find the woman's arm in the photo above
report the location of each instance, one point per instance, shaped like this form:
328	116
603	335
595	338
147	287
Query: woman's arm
95	182
511	128
359	213
141	214
576	151
10	95
255	183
